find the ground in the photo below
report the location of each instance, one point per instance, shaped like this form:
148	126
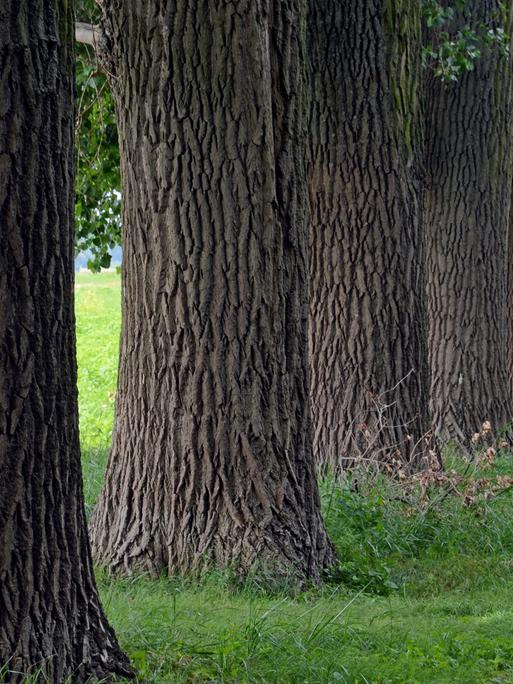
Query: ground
424	595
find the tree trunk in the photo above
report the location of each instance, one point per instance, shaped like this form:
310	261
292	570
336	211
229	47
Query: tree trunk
367	339
50	613
468	178
211	462
509	297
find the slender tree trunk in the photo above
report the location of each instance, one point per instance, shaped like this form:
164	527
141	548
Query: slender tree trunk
367	339
468	175
211	462
50	613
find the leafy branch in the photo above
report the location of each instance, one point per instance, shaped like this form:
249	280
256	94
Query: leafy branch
452	54
97	192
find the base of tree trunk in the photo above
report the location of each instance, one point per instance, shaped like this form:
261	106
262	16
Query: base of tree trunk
240	551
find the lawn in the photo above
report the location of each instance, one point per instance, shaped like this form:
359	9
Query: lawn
425	593
98	313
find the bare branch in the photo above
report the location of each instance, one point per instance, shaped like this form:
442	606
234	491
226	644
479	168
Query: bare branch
87	33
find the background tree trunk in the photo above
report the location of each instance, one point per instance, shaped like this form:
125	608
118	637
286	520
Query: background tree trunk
211	462
367	339
50	613
468	178
509	297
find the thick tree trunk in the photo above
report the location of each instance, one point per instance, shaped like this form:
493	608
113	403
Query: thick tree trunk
211	462
509	297
367	332
468	177
50	613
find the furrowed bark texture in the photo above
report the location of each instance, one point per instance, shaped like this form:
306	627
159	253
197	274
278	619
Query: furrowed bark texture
509	297
468	178
211	462
50	613
367	331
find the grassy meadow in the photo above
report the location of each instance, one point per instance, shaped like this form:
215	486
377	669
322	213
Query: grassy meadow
425	593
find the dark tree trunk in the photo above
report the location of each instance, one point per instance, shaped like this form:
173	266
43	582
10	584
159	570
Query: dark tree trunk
367	332
211	462
468	177
509	297
50	613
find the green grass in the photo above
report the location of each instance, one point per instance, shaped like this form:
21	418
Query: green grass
98	313
426	590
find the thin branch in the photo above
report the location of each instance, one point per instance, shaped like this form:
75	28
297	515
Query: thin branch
87	33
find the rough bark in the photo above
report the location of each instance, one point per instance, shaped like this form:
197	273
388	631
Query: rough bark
509	296
468	179
367	332
211	463
50	613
